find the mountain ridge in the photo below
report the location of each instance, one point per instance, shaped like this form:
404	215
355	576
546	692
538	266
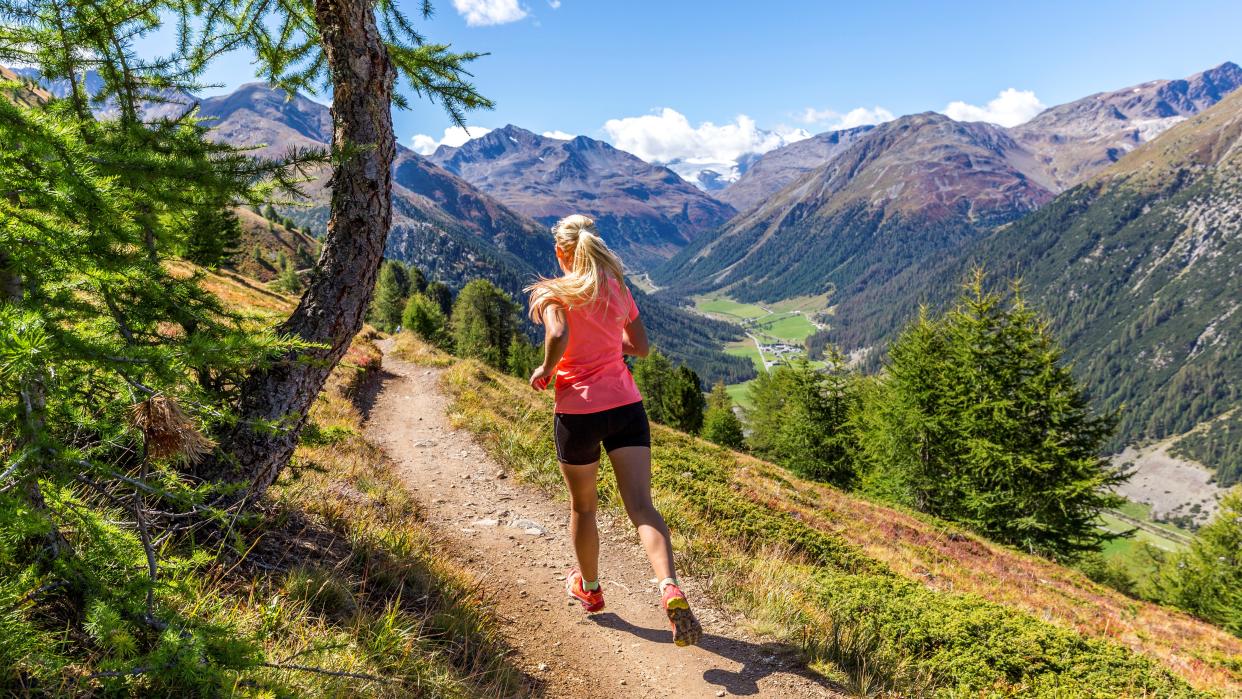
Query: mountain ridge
645	211
1073	141
1068	142
776	169
918	185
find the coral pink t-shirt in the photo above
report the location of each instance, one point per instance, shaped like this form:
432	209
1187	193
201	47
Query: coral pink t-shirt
592	375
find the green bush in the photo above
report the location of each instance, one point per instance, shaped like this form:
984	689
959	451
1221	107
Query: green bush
423	317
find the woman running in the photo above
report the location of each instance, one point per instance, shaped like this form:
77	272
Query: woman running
590	321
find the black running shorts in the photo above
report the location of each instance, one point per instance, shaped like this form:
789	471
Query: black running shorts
578	436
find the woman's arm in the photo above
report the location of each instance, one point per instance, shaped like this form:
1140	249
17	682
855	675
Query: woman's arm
634	338
555	341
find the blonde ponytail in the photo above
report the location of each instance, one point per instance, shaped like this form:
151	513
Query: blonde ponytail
591	263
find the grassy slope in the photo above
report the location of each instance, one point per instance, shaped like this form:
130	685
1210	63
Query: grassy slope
730	309
879	597
272	239
340	573
790	327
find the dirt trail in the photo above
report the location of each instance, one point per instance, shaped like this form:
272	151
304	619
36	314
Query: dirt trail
515	538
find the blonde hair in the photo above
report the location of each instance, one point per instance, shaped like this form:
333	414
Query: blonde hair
591	262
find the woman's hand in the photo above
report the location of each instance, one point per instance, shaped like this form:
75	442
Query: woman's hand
540	377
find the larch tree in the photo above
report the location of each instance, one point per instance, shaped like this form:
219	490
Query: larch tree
1206	579
342	46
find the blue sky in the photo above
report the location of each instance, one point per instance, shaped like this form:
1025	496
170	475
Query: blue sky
572	66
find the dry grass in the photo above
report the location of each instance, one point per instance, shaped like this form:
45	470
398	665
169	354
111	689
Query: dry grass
272	239
415	351
240	292
350	578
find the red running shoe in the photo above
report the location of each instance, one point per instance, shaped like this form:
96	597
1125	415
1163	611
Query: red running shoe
686	629
592	600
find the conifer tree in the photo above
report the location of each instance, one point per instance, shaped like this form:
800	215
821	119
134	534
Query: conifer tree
683	401
112	368
214	237
720	424
484	322
391	290
416	281
523	357
423	317
440	292
981	423
289	281
1206	579
801	419
654	376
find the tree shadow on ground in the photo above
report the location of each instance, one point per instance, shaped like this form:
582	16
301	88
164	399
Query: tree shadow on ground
365	394
758	660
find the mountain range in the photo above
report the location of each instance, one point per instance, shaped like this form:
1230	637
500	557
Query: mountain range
646	212
906	191
1067	143
1075	140
446	226
776	169
1119	211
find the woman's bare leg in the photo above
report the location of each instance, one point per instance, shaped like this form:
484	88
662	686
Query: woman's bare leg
632	466
583	499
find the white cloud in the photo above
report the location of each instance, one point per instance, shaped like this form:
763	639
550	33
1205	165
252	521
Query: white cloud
667	137
482	13
554	4
453	136
559	135
832	120
1010	108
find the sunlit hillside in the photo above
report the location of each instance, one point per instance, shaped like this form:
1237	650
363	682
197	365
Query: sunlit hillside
883	598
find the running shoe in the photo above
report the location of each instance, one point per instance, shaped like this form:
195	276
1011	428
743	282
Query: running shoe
591	600
686	629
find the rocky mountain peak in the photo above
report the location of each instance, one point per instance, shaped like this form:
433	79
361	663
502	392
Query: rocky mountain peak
1073	141
646	211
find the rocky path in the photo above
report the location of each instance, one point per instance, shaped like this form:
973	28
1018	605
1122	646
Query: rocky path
515	538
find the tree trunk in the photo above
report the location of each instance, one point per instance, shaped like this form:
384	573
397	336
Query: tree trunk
332	309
